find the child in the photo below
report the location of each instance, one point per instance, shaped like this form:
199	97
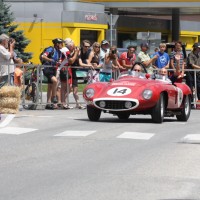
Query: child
18	74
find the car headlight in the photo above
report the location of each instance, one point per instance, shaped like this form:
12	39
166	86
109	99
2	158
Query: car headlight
89	93
147	94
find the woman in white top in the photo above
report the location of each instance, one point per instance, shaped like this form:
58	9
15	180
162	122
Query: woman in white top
111	61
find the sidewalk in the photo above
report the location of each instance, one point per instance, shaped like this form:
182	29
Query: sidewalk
71	100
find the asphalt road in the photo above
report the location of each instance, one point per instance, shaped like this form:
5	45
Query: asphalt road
61	155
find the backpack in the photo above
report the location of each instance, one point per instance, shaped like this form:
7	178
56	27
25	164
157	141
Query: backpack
49	56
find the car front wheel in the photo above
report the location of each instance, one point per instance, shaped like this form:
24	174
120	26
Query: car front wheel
93	113
159	110
185	112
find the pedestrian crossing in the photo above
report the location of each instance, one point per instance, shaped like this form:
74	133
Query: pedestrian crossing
139	136
16	130
75	133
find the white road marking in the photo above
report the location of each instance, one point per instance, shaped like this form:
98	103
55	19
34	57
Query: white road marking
44	116
16	130
75	133
191	138
136	135
7	120
35	116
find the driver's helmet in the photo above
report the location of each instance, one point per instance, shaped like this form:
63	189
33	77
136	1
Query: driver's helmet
57	41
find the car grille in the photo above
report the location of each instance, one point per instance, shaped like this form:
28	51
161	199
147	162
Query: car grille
114	105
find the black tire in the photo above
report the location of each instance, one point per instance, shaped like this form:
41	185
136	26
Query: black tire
185	112
159	110
123	115
31	96
93	113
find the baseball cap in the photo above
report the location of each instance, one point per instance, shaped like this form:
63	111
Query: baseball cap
57	40
104	42
68	41
196	45
144	44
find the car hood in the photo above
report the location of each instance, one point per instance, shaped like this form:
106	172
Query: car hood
123	88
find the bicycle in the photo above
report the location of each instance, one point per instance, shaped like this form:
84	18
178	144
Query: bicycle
3	81
30	94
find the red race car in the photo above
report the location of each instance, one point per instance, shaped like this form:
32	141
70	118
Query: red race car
138	93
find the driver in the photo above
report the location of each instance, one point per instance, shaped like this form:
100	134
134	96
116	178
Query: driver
136	70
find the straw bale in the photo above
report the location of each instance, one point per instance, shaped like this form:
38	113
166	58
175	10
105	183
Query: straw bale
10	91
8	110
9	102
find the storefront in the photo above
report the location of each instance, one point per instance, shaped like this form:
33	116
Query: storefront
44	21
81	25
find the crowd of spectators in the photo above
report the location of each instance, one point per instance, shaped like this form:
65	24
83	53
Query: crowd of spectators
61	61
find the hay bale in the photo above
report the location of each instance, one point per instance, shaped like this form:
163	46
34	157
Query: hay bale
9	102
8	110
10	91
9	99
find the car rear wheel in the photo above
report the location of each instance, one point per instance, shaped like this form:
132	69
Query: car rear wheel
159	110
185	112
123	116
93	113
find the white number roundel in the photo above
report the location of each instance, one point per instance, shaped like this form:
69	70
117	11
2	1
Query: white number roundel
119	91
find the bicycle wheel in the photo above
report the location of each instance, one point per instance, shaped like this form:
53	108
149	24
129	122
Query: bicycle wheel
31	97
3	81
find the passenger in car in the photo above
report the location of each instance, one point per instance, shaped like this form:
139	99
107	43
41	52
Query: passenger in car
163	75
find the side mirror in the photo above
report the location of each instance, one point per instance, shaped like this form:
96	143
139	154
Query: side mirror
147	76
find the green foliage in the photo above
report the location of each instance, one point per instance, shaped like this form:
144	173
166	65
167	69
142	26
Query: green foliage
6	19
7	27
20	45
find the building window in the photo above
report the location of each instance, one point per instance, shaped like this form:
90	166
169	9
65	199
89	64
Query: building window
125	39
89	35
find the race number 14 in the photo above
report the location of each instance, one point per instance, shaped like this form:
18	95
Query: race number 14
119	91
122	91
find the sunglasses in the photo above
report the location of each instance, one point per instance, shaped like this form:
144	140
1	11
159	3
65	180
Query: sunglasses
87	46
97	46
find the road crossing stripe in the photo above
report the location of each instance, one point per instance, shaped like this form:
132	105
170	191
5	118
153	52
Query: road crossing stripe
75	133
16	130
7	120
136	135
191	138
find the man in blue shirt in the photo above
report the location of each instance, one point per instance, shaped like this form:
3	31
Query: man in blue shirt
163	58
51	59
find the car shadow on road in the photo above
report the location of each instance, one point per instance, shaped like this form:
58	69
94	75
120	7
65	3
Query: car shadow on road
130	120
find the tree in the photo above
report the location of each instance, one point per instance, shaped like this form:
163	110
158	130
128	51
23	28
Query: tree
8	27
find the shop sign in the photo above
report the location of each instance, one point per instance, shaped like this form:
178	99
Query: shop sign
84	17
90	17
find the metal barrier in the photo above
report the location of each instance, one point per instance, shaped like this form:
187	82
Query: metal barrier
40	78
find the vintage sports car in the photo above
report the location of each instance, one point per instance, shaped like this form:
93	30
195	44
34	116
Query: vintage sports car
138	93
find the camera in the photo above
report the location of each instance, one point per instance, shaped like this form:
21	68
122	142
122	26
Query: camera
11	40
113	51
